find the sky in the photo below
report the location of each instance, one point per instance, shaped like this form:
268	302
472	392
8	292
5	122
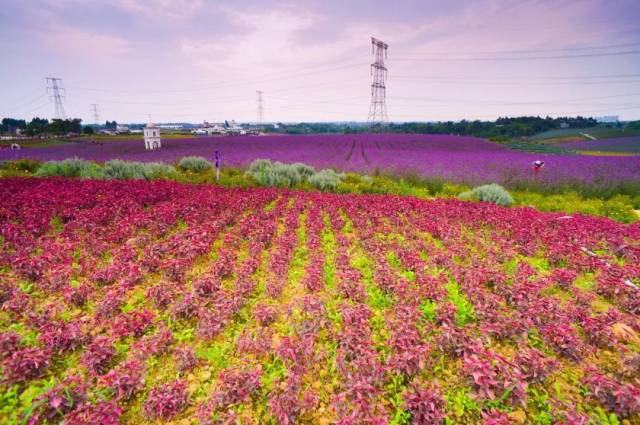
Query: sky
190	61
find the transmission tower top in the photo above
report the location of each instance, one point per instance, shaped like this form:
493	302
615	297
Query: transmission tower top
54	86
96	117
378	108
260	101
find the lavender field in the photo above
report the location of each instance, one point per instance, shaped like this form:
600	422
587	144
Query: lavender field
464	159
619	144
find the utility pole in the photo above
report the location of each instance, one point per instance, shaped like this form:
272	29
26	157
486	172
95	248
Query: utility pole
96	117
378	108
260	101
54	86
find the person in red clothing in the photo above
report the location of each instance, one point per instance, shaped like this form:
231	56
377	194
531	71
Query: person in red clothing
536	166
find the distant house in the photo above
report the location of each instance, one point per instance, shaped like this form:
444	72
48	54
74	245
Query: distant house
564	125
608	119
151	137
121	129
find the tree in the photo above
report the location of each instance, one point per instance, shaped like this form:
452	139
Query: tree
10	125
88	130
37	126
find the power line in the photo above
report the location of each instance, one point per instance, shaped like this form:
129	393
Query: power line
512	83
230	84
520	58
524	51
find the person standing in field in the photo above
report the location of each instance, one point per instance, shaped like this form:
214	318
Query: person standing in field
537	165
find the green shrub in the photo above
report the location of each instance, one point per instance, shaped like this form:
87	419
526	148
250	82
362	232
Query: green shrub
129	170
493	193
618	207
124	170
326	179
453	189
304	170
28	165
195	164
276	174
71	167
158	170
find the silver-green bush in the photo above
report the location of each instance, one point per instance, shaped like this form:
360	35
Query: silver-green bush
158	170
71	167
276	174
125	170
195	164
493	193
304	170
326	179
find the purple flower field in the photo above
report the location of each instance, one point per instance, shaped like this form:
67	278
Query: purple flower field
463	159
619	144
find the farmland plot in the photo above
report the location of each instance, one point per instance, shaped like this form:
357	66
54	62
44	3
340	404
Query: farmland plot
469	160
131	302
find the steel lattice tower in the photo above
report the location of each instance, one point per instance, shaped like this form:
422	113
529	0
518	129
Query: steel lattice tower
378	108
260	101
96	117
55	86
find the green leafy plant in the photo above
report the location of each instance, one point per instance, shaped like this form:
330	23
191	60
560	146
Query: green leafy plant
71	167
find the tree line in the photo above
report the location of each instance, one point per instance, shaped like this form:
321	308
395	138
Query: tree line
39	126
500	128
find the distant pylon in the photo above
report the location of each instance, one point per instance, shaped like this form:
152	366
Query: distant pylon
260	101
378	108
96	117
54	85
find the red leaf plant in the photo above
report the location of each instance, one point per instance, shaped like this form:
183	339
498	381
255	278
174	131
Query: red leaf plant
103	413
98	355
58	401
25	364
623	399
166	401
425	403
125	380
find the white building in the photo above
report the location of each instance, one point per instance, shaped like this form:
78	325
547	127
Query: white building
609	119
151	137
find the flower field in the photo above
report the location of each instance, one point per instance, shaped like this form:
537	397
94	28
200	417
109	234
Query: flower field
461	159
143	302
629	145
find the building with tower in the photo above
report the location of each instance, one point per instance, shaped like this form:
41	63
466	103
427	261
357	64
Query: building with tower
151	137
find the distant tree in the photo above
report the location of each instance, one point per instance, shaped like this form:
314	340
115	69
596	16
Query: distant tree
37	126
88	130
111	125
10	125
58	126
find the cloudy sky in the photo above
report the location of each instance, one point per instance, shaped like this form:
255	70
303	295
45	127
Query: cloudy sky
180	60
